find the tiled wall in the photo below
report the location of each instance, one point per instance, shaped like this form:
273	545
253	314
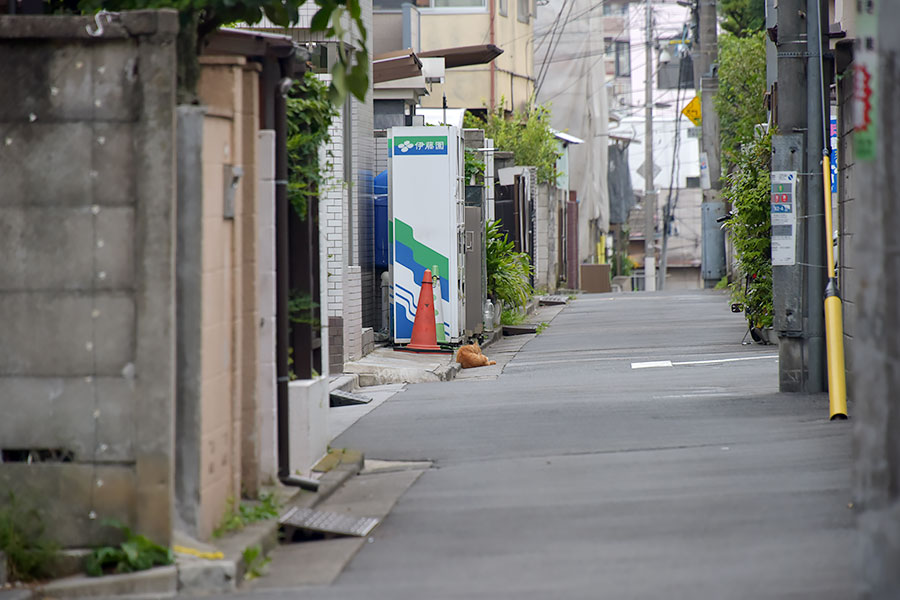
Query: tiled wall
233	336
353	313
217	482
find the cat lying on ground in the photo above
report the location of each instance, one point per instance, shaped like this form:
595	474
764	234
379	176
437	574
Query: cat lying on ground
470	356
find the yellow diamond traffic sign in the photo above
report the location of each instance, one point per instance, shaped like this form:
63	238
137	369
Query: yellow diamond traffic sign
692	110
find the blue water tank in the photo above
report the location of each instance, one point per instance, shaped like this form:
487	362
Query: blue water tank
381	220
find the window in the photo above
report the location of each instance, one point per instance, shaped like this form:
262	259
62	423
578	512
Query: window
503	8
524	10
619	54
457	3
611	9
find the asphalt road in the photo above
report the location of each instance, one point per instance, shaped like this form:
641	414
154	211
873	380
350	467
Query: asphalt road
585	472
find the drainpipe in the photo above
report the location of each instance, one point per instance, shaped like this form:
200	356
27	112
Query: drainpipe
282	263
493	67
281	274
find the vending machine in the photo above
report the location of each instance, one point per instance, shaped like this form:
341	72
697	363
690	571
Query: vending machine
427	226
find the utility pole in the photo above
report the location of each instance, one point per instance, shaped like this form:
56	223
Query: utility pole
815	217
712	208
649	185
789	157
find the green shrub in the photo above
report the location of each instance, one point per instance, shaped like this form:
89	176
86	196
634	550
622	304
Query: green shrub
747	187
508	271
136	553
237	518
30	556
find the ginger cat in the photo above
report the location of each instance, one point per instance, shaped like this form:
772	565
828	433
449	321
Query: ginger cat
470	356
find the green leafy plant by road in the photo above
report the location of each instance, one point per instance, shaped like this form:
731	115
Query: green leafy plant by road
136	553
512	317
740	100
30	554
747	187
508	271
746	153
474	168
238	517
255	562
527	135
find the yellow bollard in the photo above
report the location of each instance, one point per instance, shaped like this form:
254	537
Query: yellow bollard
834	323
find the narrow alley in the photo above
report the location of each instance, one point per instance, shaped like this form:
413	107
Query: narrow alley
634	449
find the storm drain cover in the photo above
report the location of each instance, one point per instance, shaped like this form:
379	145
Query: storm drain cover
552	300
328	523
343	398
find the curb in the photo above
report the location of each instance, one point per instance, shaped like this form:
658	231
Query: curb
346	382
223	576
191	574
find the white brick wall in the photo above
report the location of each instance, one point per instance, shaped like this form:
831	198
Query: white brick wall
332	207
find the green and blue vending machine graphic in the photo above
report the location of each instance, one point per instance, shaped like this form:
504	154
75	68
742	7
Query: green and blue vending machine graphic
426	191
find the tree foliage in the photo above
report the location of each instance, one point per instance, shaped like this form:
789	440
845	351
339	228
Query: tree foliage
740	100
747	187
199	18
743	17
527	135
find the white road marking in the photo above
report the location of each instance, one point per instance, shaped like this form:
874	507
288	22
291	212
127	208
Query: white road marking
651	364
724	360
668	363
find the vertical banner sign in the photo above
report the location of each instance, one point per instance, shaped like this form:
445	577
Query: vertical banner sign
784	218
834	154
865	85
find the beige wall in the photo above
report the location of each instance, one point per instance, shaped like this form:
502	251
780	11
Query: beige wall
470	87
228	453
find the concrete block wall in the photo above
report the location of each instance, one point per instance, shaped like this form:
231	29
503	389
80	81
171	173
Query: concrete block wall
546	244
87	284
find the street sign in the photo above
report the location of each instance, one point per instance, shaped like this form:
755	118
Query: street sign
692	111
784	218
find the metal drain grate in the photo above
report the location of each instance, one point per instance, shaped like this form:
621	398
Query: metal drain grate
343	398
328	522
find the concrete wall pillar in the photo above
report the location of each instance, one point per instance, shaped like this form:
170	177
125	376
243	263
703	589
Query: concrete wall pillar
87	231
876	353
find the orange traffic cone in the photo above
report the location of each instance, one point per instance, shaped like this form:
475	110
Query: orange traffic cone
424	336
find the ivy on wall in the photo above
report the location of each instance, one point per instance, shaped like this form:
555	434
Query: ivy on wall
309	115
